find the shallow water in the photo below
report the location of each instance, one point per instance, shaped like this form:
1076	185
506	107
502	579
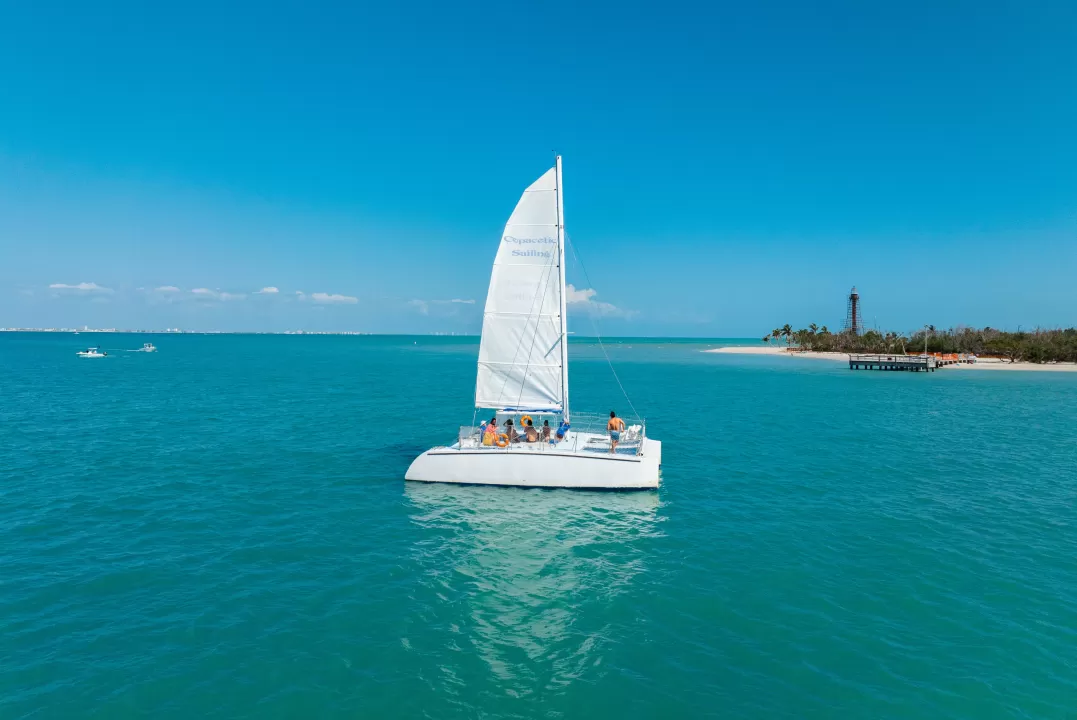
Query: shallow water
221	529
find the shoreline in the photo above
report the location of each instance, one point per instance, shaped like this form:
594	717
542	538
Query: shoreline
982	364
777	351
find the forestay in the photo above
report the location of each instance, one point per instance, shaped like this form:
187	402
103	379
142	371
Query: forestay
520	356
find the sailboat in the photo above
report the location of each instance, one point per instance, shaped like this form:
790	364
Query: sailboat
523	376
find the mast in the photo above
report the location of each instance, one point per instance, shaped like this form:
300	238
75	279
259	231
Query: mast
561	279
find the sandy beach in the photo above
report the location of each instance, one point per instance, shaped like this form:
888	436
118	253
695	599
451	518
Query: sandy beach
982	364
764	350
991	364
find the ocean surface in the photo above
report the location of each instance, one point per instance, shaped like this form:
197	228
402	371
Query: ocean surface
222	530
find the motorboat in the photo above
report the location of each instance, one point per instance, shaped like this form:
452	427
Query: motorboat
148	347
522	378
94	352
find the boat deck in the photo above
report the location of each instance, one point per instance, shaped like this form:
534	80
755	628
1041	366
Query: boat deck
581	442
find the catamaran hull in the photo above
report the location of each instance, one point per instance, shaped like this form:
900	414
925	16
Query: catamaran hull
581	471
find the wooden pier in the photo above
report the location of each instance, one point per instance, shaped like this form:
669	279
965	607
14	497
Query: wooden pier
911	363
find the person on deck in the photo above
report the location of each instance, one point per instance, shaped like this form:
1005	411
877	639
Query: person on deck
514	437
562	431
616	426
531	432
545	431
489	432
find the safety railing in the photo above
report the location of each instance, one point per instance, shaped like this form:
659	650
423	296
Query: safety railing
587	433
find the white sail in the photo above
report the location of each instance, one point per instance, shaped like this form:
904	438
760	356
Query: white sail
520	356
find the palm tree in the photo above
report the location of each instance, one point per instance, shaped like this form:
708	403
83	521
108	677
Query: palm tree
787	333
813	327
824	331
766	338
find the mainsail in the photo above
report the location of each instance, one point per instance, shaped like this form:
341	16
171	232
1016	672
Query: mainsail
521	357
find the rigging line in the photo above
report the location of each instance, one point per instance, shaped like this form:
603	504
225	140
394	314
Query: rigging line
594	326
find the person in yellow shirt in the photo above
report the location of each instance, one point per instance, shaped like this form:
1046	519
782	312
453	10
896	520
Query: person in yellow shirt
489	435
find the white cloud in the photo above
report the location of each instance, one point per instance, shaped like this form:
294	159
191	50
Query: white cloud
423	306
167	289
268	291
584	300
81	287
207	294
574	296
327	298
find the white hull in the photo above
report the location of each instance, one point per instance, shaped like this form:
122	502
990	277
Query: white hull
523	467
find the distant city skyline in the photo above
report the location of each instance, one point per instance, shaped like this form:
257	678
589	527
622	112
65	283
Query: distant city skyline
728	167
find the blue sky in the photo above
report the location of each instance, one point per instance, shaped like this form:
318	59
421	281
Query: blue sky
729	167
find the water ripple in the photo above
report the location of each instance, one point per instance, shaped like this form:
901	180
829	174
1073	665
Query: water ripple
221	530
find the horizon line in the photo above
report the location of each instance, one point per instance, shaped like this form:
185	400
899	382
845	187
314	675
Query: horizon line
125	331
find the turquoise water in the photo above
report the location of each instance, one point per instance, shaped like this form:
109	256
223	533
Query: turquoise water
222	530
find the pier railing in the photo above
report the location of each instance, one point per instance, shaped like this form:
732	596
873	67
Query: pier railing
883	361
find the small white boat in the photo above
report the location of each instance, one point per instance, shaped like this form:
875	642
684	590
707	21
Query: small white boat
94	352
148	347
523	376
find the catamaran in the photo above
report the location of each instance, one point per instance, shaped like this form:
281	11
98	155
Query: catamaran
523	376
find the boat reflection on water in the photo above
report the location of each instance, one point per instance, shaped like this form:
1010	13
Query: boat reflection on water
519	585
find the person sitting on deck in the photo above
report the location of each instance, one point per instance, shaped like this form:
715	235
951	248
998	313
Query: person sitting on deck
489	432
545	430
514	437
531	432
616	425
